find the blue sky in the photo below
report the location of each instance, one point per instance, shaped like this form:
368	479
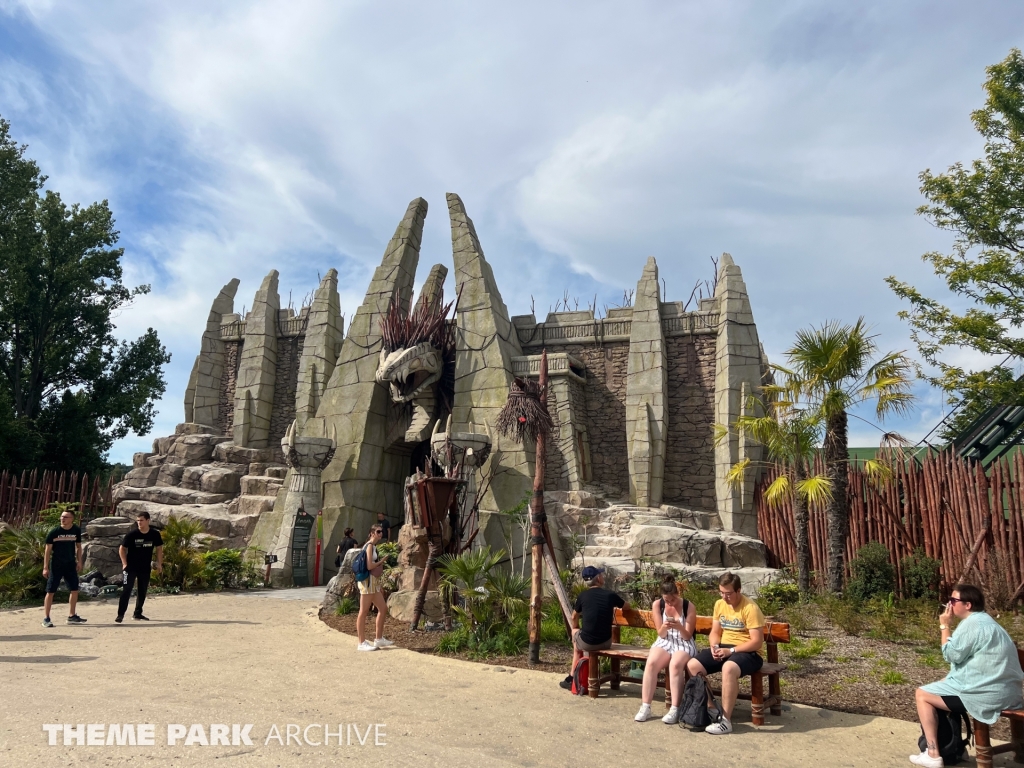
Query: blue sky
233	138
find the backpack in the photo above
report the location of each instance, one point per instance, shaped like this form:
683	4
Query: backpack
694	710
581	677
952	744
359	569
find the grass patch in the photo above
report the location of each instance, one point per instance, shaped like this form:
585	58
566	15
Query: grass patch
867	654
892	677
806	649
851	679
346	606
637	636
842	659
794	667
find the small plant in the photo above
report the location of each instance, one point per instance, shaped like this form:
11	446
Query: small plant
892	677
800	649
867	654
347	605
222	568
842	659
843	613
702	596
873	574
183	565
794	667
771	598
920	575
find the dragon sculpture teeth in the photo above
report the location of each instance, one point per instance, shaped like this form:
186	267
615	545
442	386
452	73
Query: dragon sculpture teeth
411	375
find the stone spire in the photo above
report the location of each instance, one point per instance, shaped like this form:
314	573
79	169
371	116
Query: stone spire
487	342
257	370
202	398
738	368
325	330
646	393
432	287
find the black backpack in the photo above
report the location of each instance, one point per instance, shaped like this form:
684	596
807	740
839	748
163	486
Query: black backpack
952	744
694	711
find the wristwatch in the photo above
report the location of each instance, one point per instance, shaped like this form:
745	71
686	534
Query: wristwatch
943	626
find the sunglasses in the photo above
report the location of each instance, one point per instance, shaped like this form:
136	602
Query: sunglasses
954	600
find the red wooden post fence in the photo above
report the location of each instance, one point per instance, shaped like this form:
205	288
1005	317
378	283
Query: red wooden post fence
944	505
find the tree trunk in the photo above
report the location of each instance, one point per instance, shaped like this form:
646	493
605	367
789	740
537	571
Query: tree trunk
838	510
538	522
803	543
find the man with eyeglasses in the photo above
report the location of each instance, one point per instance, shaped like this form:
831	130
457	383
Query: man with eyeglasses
62	559
737	634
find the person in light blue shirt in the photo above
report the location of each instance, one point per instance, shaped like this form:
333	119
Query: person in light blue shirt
984	671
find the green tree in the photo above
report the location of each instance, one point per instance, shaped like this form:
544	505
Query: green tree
983	206
790	433
68	388
831	368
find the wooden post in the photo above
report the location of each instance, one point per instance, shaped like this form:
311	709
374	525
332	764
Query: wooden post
537	522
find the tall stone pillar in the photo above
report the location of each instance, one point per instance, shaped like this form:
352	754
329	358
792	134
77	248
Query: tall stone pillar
487	342
324	333
646	393
738	367
433	285
202	399
257	370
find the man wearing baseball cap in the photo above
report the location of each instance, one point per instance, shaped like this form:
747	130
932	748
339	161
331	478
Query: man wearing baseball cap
596	607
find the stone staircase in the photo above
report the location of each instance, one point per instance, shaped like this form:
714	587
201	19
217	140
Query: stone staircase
620	536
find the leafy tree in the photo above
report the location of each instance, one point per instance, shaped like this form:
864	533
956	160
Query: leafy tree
68	388
983	206
831	368
790	433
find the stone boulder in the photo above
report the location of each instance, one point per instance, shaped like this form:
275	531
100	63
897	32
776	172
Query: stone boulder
101	549
169	495
142	477
192	450
677	545
224	528
743	552
401	605
228	452
339	587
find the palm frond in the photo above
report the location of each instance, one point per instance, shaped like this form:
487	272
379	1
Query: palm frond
816	489
778	491
737	473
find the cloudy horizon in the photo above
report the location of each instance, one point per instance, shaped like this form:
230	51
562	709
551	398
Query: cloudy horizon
231	139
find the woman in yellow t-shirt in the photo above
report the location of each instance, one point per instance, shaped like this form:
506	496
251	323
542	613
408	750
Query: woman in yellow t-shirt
737	634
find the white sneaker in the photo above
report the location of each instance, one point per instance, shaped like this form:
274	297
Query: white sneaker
721	727
926	760
671	717
383	642
644	713
366	645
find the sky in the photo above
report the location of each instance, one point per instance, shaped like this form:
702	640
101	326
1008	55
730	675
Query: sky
235	138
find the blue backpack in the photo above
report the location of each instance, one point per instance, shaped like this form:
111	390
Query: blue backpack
359	569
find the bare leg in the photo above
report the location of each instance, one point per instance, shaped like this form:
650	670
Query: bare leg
47	603
577	654
730	687
695	667
676	672
657	660
927	703
382	614
73	603
364	611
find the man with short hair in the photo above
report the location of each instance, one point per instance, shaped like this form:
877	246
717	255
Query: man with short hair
385	526
736	637
136	553
62	559
596	607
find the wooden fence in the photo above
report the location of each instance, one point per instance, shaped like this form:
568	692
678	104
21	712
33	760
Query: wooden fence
948	506
21	497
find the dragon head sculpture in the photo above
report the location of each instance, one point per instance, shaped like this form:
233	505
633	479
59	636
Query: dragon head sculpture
417	356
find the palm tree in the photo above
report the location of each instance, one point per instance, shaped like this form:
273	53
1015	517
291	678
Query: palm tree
790	434
832	369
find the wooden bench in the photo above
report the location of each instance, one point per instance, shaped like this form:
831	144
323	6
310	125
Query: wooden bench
775	632
983	744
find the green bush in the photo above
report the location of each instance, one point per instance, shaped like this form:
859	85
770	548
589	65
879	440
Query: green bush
703	597
920	575
844	613
772	598
183	565
873	574
21	562
347	605
222	568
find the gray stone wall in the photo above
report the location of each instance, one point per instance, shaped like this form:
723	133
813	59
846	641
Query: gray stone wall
690	459
289	352
226	414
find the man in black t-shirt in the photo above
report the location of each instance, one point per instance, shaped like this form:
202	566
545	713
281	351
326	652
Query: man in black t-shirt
62	559
385	526
136	552
596	606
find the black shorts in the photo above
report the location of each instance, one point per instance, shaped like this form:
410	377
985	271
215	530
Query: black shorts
66	571
953	704
749	663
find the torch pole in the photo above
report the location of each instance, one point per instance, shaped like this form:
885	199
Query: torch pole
319	546
538	519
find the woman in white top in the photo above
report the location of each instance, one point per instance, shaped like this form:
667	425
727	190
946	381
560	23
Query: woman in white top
371	592
675	620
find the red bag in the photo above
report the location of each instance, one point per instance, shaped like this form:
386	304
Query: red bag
581	677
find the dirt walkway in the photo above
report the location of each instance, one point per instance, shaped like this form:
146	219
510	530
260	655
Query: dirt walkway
230	659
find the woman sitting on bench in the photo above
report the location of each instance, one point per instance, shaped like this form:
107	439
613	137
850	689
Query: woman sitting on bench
675	620
737	634
984	673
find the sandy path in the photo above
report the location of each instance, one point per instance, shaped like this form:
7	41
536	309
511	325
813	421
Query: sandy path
232	659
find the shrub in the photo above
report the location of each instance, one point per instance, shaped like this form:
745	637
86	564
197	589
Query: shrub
703	597
873	574
892	677
21	562
183	566
771	598
222	568
800	649
920	575
347	605
843	613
